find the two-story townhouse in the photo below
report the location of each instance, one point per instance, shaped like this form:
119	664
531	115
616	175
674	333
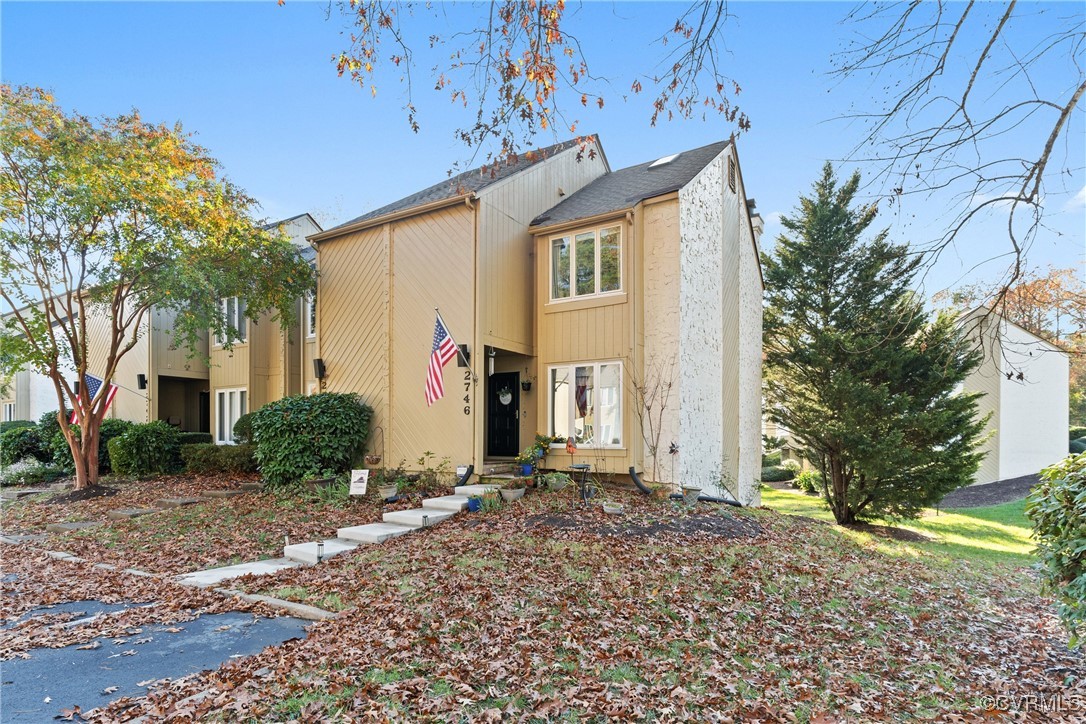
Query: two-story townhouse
649	279
267	362
461	245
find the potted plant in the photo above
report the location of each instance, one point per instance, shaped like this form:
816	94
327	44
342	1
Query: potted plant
386	484
612	508
317	479
475	503
514	490
690	494
557	481
527	460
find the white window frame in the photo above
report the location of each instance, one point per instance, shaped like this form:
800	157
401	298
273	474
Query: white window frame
310	316
596	376
237	320
229	395
571	238
9	412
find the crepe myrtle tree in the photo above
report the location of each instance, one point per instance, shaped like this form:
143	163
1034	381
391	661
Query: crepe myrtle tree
102	220
866	382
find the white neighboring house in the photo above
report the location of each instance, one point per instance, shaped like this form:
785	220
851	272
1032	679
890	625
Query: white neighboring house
1025	383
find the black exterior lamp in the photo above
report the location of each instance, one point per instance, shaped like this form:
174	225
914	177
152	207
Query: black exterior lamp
318	368
526	385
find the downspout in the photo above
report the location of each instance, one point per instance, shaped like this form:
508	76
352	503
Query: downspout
646	490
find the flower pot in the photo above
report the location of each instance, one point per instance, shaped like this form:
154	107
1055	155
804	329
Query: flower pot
613	508
525	469
555	485
387	491
511	494
320	483
373	460
690	495
475	504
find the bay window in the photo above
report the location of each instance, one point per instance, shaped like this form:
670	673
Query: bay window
586	264
585	403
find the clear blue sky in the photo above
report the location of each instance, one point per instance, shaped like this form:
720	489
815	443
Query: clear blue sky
256	83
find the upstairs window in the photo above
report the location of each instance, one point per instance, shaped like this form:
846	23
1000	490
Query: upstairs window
586	264
311	316
233	309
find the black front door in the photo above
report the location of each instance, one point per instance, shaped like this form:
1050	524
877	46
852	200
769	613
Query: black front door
503	414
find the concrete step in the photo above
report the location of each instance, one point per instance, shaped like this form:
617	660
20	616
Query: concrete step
128	513
222	493
308	552
69	527
374	532
474	489
447	502
165	503
214	576
418	517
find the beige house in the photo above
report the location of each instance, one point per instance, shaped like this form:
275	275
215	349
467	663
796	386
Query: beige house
268	362
567	283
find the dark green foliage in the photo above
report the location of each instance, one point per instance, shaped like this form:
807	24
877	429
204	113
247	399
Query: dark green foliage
48	427
110	428
1057	509
298	437
16	424
193	438
243	428
20	443
209	458
776	474
1075	432
144	449
771	459
1077	446
857	371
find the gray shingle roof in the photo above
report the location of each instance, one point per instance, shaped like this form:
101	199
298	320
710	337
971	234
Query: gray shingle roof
467	182
623	188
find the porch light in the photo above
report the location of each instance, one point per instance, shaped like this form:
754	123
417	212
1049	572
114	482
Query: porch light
318	368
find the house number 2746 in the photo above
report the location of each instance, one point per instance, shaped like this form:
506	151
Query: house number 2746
467	393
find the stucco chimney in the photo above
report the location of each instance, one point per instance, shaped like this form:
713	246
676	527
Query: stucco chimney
759	227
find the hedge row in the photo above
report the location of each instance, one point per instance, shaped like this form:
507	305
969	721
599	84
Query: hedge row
210	458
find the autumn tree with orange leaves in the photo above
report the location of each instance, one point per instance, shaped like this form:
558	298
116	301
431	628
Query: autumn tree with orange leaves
110	218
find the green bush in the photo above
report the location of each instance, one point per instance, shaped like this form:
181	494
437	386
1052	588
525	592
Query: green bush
29	472
110	428
193	438
48	427
17	424
209	458
300	435
19	443
243	429
146	448
777	474
1057	508
1077	446
1075	432
772	459
809	481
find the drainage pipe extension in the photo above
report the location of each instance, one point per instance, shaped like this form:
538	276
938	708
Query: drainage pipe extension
646	490
467	475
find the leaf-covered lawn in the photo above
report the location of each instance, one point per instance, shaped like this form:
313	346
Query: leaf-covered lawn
542	612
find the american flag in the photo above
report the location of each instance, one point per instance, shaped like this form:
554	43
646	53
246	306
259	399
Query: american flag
444	350
93	385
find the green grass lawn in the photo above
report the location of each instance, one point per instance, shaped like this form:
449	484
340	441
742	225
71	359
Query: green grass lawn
996	535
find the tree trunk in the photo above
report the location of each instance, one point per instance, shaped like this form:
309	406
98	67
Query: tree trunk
842	512
84	455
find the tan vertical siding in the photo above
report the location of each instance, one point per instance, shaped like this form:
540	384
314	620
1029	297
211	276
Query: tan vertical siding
505	245
130	402
352	322
168	359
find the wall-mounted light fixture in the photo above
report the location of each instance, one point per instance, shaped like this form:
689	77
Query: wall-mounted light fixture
526	385
464	357
141	381
318	368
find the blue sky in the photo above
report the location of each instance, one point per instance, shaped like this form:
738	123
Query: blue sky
256	83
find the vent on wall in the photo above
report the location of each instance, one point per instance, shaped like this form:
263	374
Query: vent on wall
731	173
663	161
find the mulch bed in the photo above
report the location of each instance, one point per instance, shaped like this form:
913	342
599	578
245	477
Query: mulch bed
78	496
711	524
997	493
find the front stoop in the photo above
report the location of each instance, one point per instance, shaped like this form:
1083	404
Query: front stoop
374	532
418	517
308	552
215	576
447	502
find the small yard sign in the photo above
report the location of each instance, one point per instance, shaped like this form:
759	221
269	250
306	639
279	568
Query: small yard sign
359	478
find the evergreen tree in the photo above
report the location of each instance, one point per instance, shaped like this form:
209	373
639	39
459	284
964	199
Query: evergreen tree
856	371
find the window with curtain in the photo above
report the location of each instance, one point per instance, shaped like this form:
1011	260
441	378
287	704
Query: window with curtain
585	403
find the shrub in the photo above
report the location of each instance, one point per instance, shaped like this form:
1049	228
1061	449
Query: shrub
1075	432
1077	446
776	474
110	428
193	438
209	458
243	428
809	481
19	443
147	448
297	436
17	424
793	465
771	459
1057	508
48	427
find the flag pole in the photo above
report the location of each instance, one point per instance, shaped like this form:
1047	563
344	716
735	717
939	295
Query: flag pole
459	352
